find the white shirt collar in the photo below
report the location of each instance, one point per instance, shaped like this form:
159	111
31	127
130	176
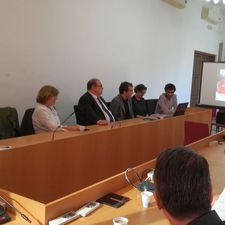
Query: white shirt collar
93	95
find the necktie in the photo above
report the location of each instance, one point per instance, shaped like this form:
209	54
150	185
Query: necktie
106	110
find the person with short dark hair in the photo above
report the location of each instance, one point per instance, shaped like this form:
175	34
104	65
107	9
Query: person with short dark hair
183	188
167	102
139	103
92	108
121	105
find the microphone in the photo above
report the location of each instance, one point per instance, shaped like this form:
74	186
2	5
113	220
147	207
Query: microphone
63	122
16	210
53	134
59	126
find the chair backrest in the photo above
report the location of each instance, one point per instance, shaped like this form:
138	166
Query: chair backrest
79	119
151	105
26	127
220	117
9	122
214	112
194	131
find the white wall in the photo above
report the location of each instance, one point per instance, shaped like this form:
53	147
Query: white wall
66	42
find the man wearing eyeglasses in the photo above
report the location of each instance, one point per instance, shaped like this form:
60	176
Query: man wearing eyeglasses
92	108
167	102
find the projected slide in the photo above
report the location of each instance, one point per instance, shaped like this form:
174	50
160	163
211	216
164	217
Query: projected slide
213	84
220	85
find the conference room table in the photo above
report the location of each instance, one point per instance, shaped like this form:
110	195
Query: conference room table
212	148
47	177
134	211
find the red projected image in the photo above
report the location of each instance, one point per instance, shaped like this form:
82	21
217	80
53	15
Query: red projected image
221	87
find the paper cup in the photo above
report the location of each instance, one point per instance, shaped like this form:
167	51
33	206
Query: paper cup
82	128
146	198
120	221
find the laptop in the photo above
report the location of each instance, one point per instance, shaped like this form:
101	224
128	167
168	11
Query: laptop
180	110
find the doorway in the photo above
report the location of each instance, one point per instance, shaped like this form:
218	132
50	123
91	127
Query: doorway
199	58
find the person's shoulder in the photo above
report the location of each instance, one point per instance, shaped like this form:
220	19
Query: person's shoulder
40	107
39	110
85	96
162	96
116	98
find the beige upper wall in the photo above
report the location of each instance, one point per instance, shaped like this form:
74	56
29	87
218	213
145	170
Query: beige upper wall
67	42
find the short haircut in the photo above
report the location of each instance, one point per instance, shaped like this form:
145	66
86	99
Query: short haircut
124	87
183	183
139	88
170	87
92	83
45	93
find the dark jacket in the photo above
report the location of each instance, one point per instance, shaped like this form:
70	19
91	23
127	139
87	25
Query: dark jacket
209	218
9	123
118	109
88	110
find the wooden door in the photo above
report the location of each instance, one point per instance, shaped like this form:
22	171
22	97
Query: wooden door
199	58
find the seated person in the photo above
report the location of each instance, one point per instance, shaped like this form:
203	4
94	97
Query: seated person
45	117
183	188
121	105
139	103
167	102
92	108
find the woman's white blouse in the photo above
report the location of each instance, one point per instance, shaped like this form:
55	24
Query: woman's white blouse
45	118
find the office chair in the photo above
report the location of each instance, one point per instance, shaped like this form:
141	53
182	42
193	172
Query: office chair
9	123
79	118
26	127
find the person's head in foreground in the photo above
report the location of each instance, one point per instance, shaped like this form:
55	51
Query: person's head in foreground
183	186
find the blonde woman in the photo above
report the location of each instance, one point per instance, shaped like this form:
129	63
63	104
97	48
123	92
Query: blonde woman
45	117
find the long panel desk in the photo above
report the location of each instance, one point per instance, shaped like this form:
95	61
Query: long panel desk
212	148
49	177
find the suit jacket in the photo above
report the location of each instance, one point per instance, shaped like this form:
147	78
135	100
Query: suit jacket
88	110
118	109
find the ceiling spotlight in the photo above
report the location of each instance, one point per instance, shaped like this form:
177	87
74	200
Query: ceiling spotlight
216	1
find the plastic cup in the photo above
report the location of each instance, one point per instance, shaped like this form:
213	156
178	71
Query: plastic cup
120	221
82	128
146	198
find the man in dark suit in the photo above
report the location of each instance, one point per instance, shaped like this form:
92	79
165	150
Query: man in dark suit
92	108
121	105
